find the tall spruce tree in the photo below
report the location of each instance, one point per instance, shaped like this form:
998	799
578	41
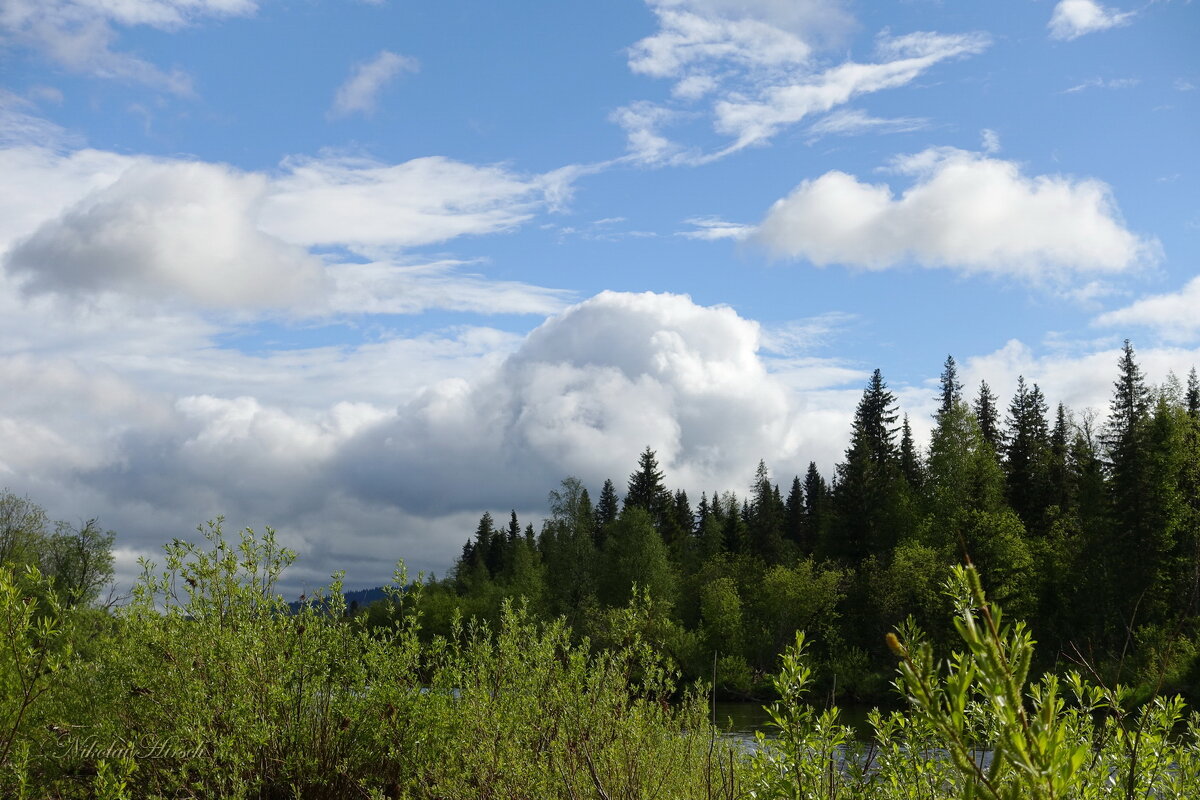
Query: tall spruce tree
765	520
606	511
1126	442
987	412
868	492
1027	456
1189	487
1059	471
794	529
951	388
817	515
910	460
646	489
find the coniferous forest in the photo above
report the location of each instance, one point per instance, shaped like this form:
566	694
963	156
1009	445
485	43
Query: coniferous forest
1018	600
1087	529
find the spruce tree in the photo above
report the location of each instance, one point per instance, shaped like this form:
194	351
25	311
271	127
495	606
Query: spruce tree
685	519
816	510
988	415
1027	456
646	490
910	459
606	512
868	494
794	529
1059	472
702	511
951	388
1189	489
1192	398
1132	542
765	518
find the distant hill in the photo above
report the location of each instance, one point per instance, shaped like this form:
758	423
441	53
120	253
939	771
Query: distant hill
360	598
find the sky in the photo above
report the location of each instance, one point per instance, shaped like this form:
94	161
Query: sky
363	270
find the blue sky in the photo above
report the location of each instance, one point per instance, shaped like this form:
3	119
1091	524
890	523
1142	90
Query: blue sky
363	270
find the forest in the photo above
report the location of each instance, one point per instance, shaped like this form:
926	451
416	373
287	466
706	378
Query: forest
1088	530
1018	599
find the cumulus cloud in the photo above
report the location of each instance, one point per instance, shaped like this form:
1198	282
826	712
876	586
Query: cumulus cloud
1172	315
758	63
361	90
79	34
585	390
1074	18
171	229
360	455
963	211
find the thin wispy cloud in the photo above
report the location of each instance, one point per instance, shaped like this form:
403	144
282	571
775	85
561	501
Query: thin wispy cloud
360	93
854	121
1102	83
755	67
81	35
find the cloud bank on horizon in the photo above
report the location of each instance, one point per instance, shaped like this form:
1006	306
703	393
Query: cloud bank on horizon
443	260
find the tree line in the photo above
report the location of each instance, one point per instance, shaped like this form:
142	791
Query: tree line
1087	529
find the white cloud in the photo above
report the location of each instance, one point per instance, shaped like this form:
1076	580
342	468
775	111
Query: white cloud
585	390
964	211
1074	18
394	448
686	38
854	121
714	228
797	336
390	288
758	62
1172	315
361	90
365	204
88	222
904	58
79	34
1082	380
1101	83
990	141
20	127
171	229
